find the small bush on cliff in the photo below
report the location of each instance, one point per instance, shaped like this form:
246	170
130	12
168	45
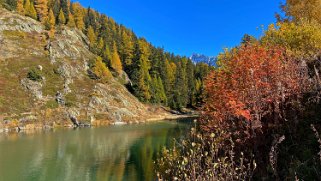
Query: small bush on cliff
34	75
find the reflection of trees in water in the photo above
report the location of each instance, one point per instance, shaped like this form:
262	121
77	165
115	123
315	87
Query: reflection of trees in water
115	153
145	151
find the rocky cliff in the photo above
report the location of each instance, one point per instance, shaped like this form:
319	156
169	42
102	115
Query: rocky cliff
64	91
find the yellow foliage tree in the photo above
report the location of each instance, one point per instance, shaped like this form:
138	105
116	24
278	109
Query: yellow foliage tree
106	53
115	60
301	39
33	12
42	9
91	36
61	18
100	44
71	21
51	19
303	9
101	71
30	9
20	8
78	15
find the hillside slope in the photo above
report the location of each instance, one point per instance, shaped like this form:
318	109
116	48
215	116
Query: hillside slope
63	63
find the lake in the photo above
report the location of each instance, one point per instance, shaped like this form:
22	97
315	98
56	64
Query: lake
125	152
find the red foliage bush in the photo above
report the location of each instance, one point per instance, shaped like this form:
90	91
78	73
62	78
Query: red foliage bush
254	82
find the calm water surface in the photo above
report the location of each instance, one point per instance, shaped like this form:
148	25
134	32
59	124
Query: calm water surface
111	153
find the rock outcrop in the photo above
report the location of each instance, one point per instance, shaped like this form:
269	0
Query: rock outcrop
64	60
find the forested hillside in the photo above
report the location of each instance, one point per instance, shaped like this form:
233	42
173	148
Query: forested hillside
157	76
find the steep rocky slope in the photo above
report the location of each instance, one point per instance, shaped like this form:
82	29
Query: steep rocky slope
63	63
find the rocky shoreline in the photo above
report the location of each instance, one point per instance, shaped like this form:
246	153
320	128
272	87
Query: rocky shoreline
7	126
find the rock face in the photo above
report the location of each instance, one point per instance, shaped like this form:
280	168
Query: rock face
64	68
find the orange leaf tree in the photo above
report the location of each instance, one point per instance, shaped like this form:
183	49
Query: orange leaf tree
253	82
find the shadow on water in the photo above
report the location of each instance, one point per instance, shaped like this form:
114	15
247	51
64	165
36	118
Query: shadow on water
112	153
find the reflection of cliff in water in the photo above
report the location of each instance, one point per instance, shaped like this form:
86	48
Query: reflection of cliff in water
113	153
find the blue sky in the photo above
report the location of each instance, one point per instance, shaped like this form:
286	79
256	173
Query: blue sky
191	26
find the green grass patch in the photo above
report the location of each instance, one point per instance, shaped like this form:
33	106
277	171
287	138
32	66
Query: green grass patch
71	100
15	34
52	104
1	101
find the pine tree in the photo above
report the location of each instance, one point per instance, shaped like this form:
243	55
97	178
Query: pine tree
55	5
20	9
91	36
71	21
161	91
181	89
157	91
65	7
68	5
190	82
115	61
61	18
42	9
141	74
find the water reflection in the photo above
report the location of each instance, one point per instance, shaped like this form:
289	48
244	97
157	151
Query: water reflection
113	153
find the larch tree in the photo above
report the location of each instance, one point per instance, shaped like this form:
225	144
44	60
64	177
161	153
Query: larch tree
101	43
30	9
170	74
61	17
33	12
115	61
42	9
50	23
101	70
52	19
78	15
127	48
71	21
91	36
20	9
27	7
107	54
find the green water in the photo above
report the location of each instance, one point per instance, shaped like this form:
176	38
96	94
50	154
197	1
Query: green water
112	153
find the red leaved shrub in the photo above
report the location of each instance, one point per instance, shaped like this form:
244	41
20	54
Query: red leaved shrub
253	83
